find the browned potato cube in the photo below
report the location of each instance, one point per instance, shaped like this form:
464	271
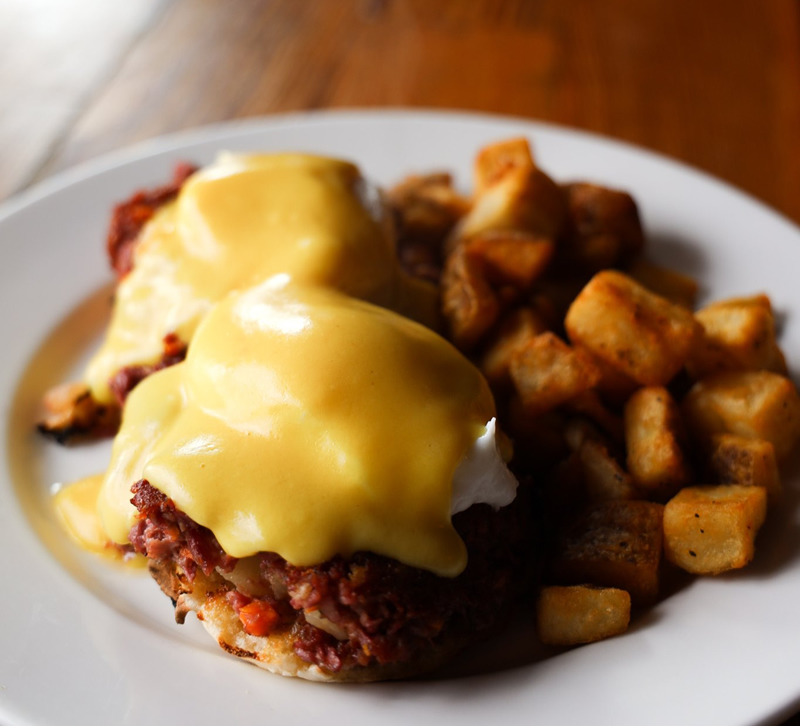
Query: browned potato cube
517	328
712	529
512	258
547	372
604	479
614	544
561	292
578	430
588	404
641	334
753	404
427	207
468	303
604	226
494	161
653	435
581	614
71	414
737	335
677	288
736	460
523	199
614	386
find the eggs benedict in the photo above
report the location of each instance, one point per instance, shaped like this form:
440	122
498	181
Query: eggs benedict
295	482
316	472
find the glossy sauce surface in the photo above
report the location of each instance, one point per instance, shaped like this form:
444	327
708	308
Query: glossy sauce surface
307	423
76	507
244	220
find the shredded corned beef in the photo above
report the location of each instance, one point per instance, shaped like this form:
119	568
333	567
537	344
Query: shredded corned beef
166	533
130	216
390	612
127	378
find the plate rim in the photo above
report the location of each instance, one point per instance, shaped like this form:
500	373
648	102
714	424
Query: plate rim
162	143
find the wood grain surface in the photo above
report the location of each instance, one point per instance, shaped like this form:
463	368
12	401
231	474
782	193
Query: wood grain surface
714	83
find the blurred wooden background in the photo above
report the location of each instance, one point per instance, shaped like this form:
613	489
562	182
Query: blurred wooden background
714	83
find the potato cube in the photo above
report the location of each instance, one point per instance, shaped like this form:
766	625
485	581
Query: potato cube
588	404
578	430
494	161
604	226
677	288
427	207
753	404
736	460
523	199
517	328
71	414
614	544
641	334
547	372
581	614
712	529
614	386
604	479
737	335
512	258
653	435
469	305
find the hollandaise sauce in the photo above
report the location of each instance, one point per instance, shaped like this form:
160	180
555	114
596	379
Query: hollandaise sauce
76	507
308	423
244	220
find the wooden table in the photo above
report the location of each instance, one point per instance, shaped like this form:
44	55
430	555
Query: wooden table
714	83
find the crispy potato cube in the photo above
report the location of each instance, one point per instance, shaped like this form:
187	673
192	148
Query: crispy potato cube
614	544
72	414
517	328
753	404
712	529
653	435
512	258
737	335
677	288
614	386
736	460
604	479
547	372
523	199
578	430
494	161
604	226
581	614
589	404
641	334
469	305
427	206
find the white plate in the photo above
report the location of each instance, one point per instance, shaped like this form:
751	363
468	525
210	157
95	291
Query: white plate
82	643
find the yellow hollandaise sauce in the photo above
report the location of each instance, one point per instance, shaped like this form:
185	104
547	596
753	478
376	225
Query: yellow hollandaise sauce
76	507
307	423
243	220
